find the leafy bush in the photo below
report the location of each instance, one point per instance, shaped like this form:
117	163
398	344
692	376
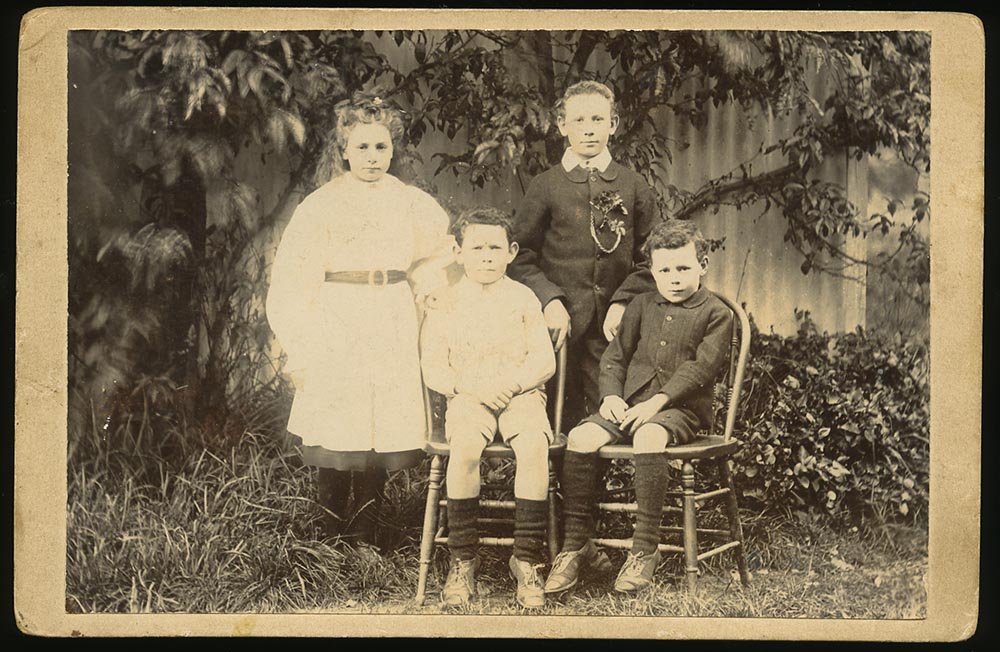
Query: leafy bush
836	425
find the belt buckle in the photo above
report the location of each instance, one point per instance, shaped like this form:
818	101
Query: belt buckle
382	283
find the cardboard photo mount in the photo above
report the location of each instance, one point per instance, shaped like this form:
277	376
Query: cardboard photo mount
957	126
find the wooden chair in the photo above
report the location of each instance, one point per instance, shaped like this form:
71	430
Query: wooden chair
710	448
435	513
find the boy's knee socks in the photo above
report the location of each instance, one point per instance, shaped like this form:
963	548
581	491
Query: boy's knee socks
529	529
579	490
651	478
463	529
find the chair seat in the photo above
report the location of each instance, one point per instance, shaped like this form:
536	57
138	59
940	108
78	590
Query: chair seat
436	446
701	448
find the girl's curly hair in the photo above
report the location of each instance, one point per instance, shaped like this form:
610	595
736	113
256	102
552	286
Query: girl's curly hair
367	107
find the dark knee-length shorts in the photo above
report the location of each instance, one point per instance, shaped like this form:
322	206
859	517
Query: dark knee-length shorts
681	424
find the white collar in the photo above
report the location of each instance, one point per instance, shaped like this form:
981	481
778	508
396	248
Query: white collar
571	160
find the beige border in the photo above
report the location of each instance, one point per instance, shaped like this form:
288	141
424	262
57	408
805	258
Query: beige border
956	325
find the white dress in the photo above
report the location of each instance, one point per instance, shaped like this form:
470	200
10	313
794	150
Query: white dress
356	345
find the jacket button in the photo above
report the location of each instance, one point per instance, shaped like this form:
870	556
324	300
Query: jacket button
670	318
663	342
597	288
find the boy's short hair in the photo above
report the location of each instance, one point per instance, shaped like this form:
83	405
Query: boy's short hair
674	234
482	215
587	87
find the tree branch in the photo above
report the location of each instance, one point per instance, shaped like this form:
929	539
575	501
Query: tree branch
710	196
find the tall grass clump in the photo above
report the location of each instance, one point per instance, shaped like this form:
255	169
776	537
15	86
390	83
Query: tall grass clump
163	516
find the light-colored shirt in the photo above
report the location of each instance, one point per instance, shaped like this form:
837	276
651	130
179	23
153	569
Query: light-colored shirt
486	334
600	162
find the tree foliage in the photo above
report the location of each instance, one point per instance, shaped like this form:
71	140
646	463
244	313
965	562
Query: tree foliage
159	121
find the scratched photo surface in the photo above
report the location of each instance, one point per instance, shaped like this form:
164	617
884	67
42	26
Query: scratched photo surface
271	319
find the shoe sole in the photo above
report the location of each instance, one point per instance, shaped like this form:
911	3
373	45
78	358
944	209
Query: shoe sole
601	563
562	589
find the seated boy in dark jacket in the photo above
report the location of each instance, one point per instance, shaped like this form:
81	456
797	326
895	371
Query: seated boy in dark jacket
656	390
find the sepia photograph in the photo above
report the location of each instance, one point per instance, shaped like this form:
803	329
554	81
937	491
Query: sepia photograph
502	320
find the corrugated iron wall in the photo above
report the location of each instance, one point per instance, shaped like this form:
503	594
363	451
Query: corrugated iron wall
756	265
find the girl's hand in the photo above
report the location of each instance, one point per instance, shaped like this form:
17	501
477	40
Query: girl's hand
613	408
431	300
641	413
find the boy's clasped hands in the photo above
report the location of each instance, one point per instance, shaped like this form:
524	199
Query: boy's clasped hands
616	410
495	394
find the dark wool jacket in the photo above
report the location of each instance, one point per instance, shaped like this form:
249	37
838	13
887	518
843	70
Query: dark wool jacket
558	258
675	349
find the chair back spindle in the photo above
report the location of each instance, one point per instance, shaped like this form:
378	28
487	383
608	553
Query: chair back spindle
739	352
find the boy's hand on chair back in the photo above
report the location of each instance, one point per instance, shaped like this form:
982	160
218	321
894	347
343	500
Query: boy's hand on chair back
557	321
613	320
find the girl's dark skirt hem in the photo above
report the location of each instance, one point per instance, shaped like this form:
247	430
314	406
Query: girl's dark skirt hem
356	460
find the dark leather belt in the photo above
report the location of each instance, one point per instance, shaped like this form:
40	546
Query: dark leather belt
376	277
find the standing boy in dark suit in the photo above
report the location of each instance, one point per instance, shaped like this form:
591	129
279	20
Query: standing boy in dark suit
581	226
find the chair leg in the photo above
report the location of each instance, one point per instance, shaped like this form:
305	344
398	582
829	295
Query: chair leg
553	529
735	528
690	527
430	524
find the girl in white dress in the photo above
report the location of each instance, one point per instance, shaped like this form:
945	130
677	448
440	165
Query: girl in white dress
354	257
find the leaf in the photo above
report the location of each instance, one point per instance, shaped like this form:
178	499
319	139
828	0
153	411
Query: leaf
837	470
233	61
276	129
296	127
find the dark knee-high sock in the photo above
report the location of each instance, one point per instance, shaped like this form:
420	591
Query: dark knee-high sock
333	488
601	467
650	490
529	529
369	491
463	527
579	494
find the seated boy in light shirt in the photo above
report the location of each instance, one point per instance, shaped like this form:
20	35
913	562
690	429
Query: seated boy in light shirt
485	346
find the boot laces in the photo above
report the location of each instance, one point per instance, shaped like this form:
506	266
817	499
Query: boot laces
634	564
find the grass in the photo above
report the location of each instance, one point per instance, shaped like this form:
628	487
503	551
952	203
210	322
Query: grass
171	522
